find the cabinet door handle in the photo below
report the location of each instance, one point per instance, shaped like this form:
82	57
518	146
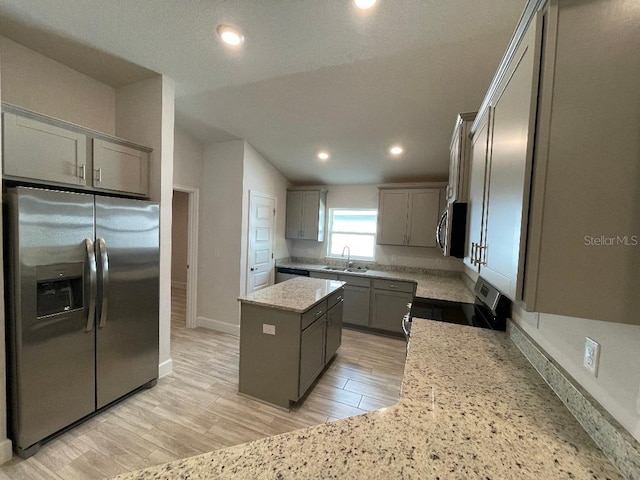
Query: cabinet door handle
82	171
318	313
482	254
98	174
393	286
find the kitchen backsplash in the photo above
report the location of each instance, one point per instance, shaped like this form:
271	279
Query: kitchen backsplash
386	256
370	266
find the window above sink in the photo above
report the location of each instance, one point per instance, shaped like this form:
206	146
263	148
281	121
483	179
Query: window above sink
354	228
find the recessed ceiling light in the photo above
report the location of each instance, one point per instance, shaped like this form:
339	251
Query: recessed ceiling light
230	35
364	4
396	150
323	155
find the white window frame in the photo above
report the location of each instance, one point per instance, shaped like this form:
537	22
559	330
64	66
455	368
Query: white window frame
330	234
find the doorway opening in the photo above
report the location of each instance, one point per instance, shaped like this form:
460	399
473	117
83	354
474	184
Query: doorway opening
184	250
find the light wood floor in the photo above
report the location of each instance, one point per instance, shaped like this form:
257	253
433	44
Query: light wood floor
197	409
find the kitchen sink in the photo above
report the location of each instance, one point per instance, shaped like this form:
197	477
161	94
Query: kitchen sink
348	270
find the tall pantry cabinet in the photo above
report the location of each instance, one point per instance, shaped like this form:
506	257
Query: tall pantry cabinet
555	174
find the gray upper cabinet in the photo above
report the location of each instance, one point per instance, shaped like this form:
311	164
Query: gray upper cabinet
305	215
583	252
560	216
477	189
45	150
408	216
120	168
457	189
506	127
41	151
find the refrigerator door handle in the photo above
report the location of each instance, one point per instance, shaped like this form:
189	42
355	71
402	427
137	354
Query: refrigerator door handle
93	280
104	267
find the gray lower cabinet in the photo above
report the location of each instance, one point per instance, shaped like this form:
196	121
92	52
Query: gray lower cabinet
373	303
389	304
283	352
357	297
312	349
334	330
356	305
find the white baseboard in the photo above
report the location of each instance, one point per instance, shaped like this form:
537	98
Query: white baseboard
5	450
218	326
182	285
165	368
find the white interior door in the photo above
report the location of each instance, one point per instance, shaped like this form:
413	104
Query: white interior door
192	252
260	262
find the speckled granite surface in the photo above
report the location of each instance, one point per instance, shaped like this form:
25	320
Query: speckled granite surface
437	285
618	444
471	407
298	295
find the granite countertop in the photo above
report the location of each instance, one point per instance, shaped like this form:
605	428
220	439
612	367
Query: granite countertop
296	295
471	407
438	285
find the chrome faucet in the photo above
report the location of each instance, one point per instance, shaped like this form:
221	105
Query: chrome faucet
346	247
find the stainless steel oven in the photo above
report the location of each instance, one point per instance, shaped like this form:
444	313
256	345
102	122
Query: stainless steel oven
490	310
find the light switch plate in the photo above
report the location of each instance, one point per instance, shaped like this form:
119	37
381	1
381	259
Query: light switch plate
591	356
268	329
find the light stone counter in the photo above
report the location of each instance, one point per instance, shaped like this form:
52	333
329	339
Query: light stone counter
471	407
296	295
438	285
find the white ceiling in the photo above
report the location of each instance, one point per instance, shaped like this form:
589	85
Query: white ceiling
312	74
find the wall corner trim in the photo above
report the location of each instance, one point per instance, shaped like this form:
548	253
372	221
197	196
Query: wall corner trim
218	326
5	451
165	368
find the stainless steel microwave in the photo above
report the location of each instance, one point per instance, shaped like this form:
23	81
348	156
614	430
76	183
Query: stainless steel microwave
451	230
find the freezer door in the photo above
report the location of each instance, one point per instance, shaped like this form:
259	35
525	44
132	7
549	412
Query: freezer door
127	239
51	375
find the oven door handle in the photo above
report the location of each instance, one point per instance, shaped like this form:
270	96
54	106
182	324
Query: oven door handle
406	320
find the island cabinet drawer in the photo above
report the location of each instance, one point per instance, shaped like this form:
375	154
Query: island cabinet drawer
356	281
313	314
335	298
407	287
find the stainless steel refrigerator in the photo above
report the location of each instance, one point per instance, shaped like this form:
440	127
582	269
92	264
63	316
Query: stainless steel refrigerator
81	288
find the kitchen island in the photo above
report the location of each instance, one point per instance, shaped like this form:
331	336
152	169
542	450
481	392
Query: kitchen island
288	334
471	407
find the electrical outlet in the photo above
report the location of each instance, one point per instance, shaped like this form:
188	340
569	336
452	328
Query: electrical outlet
591	355
394	258
216	252
268	329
